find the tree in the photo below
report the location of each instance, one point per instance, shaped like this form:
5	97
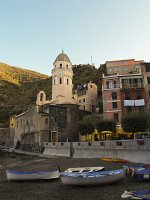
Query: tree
104	125
136	122
85	128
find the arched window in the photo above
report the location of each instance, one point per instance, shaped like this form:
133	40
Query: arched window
41	97
67	66
67	81
60	65
60	80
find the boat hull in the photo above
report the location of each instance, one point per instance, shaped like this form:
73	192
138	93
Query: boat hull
24	176
91	180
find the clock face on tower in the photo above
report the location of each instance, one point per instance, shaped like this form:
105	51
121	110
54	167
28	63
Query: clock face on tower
60	74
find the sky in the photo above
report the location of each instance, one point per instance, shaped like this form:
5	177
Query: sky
34	32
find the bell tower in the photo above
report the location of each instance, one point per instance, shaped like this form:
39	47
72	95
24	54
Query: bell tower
62	75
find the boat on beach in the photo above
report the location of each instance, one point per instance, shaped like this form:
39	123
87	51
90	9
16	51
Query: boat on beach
26	176
119	160
91	178
144	195
138	172
84	169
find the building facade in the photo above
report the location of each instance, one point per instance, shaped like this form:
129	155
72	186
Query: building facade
126	89
86	97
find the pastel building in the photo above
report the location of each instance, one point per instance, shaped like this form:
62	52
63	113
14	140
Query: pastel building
125	88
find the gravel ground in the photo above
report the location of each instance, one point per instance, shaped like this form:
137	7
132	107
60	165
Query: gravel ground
53	189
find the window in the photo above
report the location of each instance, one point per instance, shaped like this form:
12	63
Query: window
107	83
83	100
41	97
60	80
79	101
147	66
148	80
116	117
60	66
46	121
114	104
114	95
67	66
138	94
127	95
84	107
91	86
67	81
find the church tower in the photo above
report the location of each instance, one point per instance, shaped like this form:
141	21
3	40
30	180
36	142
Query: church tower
62	75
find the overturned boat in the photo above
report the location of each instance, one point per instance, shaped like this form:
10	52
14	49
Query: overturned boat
26	176
92	178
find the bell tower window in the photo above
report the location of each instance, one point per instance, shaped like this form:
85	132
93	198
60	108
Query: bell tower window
41	97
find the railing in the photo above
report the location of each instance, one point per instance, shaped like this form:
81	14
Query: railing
133	86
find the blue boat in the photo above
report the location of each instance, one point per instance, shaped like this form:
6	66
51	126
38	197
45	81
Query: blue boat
92	178
144	195
139	172
30	175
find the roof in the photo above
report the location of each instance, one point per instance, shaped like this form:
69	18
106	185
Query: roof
62	57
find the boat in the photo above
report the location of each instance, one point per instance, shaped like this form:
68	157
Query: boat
26	176
84	169
144	194
91	178
119	160
138	172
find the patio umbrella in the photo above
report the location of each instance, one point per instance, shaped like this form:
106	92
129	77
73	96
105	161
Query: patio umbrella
106	132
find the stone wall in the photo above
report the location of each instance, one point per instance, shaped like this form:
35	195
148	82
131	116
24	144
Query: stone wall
137	151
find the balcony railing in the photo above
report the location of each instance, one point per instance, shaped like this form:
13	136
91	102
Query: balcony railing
124	86
133	86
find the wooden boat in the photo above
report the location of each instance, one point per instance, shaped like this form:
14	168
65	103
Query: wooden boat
139	172
114	160
26	176
84	169
144	194
92	178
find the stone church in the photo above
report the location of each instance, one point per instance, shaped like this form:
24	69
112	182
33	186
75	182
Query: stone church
54	120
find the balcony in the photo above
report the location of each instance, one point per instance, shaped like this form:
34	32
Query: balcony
133	86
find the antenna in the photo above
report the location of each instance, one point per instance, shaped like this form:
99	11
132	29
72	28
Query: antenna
92	61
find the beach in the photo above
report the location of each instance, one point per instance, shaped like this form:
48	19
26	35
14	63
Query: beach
53	189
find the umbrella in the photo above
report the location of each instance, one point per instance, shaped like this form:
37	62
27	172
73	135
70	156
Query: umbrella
106	132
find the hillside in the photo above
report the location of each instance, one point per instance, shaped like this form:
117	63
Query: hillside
19	87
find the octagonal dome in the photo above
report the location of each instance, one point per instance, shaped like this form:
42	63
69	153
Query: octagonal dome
62	57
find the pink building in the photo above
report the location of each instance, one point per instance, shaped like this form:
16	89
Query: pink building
126	88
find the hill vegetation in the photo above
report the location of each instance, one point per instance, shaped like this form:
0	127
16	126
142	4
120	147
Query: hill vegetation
19	87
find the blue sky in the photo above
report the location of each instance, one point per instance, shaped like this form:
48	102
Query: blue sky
34	32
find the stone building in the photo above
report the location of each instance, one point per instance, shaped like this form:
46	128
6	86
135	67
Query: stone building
32	127
54	120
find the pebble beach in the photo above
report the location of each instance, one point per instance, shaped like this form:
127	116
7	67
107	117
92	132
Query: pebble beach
53	189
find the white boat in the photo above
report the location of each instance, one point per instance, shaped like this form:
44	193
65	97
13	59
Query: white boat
92	178
144	194
84	169
25	176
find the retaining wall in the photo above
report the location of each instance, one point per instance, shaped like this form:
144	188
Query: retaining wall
131	150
